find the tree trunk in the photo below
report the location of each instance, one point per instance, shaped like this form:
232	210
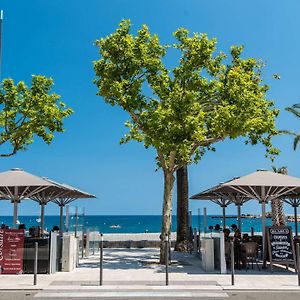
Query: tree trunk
166	214
278	217
182	241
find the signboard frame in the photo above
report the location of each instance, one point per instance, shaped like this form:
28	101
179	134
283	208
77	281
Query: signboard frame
269	246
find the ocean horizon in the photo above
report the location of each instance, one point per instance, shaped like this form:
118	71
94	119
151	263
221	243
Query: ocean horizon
133	223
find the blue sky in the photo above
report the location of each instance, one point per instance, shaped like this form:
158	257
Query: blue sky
55	38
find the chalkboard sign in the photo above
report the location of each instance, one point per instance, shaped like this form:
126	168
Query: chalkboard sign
280	245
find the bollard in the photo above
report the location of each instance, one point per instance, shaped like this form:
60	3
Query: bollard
167	258
298	261
195	242
35	267
82	244
101	259
232	262
252	231
94	242
77	252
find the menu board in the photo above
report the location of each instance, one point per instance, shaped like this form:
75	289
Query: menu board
280	244
11	251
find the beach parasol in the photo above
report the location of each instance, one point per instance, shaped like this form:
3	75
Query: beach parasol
16	185
263	186
294	201
223	199
47	195
211	196
68	197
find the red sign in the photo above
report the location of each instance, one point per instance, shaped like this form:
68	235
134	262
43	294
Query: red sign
11	251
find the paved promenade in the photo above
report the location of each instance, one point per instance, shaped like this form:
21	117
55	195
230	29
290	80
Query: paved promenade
137	270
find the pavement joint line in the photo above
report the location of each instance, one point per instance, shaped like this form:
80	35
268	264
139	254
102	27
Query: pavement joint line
151	294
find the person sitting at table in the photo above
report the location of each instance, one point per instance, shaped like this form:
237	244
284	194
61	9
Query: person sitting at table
22	226
236	232
227	246
31	231
237	238
246	238
55	228
226	235
217	228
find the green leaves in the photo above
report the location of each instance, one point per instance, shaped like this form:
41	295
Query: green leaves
29	111
182	112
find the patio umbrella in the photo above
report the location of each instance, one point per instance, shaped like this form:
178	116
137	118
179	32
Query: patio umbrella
47	195
68	197
224	198
16	185
263	186
294	201
211	196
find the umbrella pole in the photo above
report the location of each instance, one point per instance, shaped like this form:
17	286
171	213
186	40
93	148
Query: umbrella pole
15	203
42	217
239	217
61	211
15	218
295	220
224	216
263	225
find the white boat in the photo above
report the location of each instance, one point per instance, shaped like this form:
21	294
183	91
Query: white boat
115	226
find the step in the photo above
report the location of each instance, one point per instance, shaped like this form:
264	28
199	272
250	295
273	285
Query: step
180	294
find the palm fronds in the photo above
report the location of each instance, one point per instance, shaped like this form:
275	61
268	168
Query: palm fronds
294	109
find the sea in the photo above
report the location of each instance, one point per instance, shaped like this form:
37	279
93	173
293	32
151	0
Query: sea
133	224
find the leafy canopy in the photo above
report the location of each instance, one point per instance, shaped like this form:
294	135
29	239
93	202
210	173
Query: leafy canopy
181	112
26	112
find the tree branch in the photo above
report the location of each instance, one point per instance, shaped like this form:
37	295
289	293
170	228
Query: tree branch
206	143
172	160
161	160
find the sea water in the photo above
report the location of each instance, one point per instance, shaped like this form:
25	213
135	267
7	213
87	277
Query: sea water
133	224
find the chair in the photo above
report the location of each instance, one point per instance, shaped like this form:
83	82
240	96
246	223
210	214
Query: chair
250	250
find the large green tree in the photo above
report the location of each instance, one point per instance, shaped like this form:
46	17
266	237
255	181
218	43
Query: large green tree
182	112
26	112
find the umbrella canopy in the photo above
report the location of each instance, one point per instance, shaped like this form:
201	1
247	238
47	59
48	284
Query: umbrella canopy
263	186
294	201
47	195
223	199
71	195
16	185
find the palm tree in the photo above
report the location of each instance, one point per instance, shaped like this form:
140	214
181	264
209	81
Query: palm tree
295	110
182	240
278	217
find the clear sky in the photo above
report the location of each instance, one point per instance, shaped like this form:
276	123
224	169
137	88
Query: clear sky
55	38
